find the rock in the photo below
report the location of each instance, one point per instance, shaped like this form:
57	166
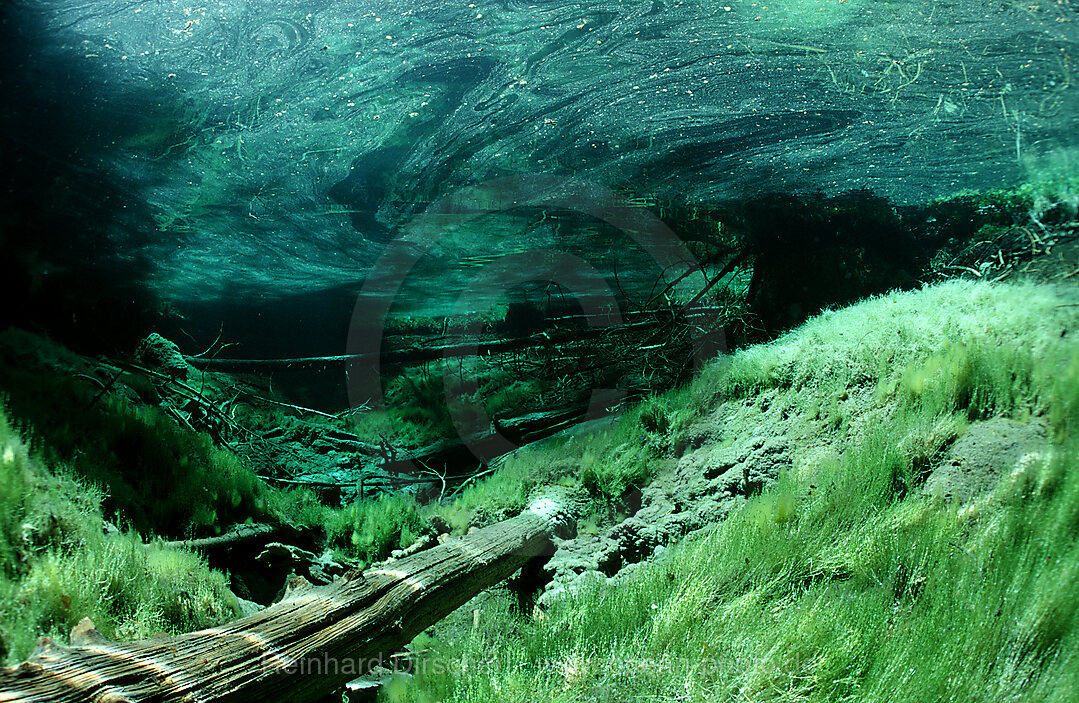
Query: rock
366	687
85	634
295	585
439	524
247	607
742	468
555	592
159	354
317	569
974	463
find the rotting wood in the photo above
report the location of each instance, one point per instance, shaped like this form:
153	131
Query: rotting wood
427	352
240	534
301	648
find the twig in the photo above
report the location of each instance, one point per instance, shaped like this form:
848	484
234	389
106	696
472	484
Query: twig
294	407
105	388
195	395
472	478
362	407
969	269
214	344
731	265
441	477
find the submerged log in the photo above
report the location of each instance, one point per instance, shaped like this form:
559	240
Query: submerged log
240	534
418	353
301	648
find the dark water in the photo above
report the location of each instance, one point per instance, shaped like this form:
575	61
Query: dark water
245	157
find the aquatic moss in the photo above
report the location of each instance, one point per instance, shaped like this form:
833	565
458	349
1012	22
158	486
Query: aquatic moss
58	565
850	585
371	529
156	475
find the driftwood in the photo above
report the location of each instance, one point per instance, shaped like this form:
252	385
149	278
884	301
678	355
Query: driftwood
533	426
302	648
240	534
418	353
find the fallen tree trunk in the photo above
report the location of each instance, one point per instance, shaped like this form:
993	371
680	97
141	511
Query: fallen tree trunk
417	353
303	647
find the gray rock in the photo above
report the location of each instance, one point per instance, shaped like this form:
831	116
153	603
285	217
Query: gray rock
161	355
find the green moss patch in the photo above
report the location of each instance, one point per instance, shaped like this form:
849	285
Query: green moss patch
58	564
842	579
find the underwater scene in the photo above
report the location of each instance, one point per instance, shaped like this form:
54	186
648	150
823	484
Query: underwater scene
463	352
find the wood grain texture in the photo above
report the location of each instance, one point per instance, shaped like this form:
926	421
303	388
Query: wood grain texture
301	648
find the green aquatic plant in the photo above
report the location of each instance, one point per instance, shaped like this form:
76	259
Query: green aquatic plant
57	564
371	529
842	580
157	475
958	339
